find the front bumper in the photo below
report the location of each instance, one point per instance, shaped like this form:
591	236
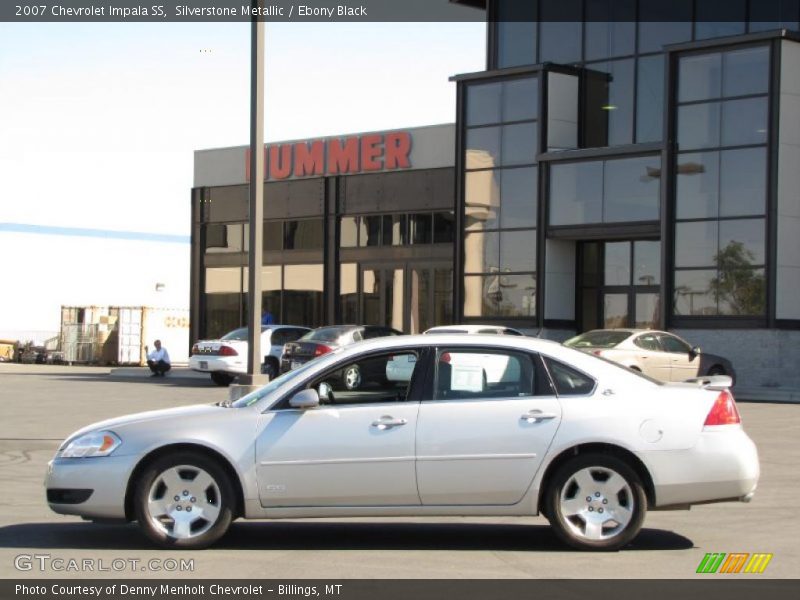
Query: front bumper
722	466
106	476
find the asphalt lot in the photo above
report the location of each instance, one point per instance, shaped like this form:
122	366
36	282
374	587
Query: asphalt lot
42	404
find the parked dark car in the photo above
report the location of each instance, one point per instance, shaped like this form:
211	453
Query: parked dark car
325	339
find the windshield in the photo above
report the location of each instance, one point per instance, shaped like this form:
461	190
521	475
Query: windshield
238	335
598	339
273	385
325	334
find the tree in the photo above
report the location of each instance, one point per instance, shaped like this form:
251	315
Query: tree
737	284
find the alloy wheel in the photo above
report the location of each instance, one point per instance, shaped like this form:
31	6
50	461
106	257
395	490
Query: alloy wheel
183	502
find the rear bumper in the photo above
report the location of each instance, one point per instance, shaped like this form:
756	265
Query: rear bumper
722	466
216	364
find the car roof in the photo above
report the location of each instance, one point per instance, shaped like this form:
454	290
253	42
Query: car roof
471	328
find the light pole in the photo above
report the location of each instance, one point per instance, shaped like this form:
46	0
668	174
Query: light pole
256	215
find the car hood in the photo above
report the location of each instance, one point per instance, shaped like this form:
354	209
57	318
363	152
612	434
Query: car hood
177	414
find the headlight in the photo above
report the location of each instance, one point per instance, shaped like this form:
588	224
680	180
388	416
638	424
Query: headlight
98	443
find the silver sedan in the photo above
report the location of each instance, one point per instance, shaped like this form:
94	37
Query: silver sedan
484	425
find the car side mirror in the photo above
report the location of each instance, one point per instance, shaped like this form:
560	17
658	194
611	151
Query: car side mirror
305	399
696	351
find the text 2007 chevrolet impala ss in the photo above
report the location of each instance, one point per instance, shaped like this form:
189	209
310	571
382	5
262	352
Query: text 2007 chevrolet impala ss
481	425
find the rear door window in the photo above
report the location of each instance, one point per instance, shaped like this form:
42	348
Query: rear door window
568	381
648	341
478	374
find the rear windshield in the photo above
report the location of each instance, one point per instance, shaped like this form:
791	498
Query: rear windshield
238	334
597	339
326	334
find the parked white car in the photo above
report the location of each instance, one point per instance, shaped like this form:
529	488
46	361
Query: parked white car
586	443
659	354
226	357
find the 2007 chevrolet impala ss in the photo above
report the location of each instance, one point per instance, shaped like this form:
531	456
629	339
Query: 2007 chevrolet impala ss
481	425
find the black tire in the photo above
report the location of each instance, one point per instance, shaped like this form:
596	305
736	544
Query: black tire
222	379
572	530
352	377
225	503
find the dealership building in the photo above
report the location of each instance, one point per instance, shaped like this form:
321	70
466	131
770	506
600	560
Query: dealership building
637	168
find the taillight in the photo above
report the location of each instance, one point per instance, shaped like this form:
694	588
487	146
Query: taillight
724	411
321	349
597	352
227	351
195	349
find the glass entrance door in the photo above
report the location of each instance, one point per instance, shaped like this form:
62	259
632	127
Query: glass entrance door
619	284
410	297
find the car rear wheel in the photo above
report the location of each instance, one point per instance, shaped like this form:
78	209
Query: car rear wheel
596	502
222	379
352	377
184	500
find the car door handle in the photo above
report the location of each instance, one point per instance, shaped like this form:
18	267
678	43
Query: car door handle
535	416
387	422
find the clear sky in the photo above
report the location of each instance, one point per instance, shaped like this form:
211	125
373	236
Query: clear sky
99	122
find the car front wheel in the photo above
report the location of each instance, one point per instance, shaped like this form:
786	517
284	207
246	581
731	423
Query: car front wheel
184	500
596	502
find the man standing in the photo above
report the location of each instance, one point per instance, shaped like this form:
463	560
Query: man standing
158	360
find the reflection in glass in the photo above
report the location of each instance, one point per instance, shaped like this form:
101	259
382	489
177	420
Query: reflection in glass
693	295
303	285
746	71
743	182
698	126
223	238
744	122
647	311
631	189
518	250
519	192
519	144
481	252
443	296
421	226
562	111
695	243
619	108
482	199
559	40
740	291
348	293
741	243
370	231
443	227
663	23
618	263
419	317
348	236
371	294
615	311
576	193
303	235
700	77
697	189
394	230
646	263
499	295
516	33
483	148
520	99
610	28
650	98
273	235
221	314
483	103
271	284
715	18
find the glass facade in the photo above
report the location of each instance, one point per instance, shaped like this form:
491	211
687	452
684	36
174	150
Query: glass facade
721	183
500	198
